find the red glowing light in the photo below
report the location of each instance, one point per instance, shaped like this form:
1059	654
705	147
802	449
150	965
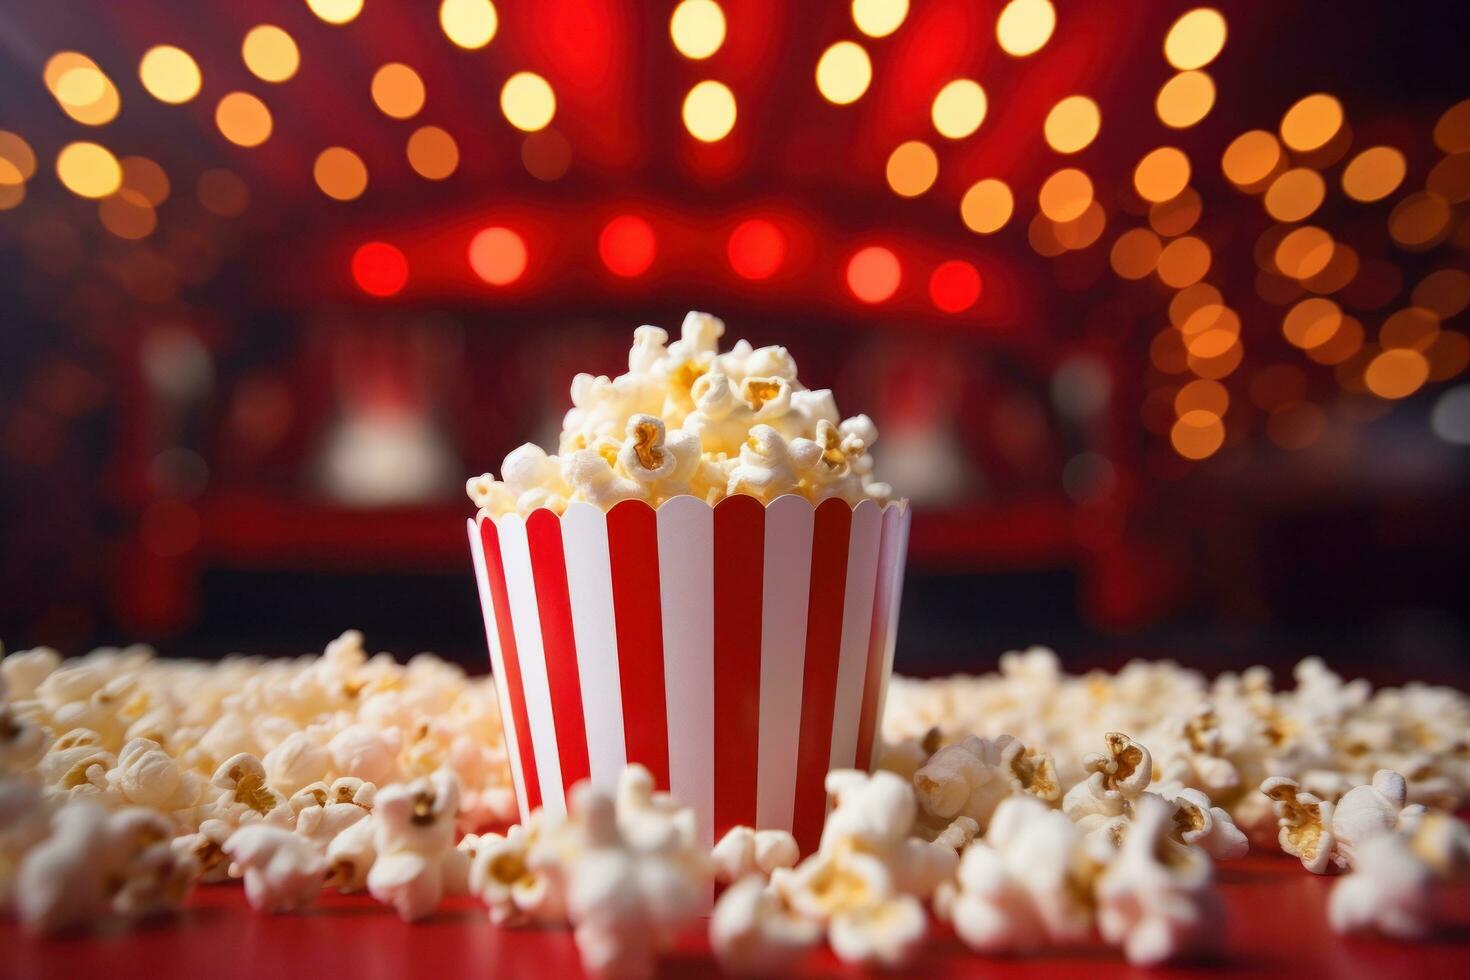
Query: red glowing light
498	256
379	268
873	274
757	249
955	286
627	245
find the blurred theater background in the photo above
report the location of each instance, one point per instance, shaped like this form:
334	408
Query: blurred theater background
1159	307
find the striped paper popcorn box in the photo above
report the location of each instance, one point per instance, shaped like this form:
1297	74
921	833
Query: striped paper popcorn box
739	651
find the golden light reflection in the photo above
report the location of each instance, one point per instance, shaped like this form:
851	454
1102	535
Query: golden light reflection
1449	355
697	28
1161	174
127	215
1412	328
1311	122
1251	159
1450	178
959	108
912	168
1041	235
1344	344
1065	195
1136	253
1374	174
1295	195
432	153
879	18
1072	124
1420	221
527	101
1311	323
1446	292
335	11
709	111
81	89
1082	231
1190	300
88	169
1176	215
340	173
844	73
170	74
398	91
1197	435
1184	261
1202	395
1185	99
1452	132
470	24
270	53
1341	269
17	159
987	206
1304	252
243	119
1397	373
1024	26
1195	39
146	179
12	196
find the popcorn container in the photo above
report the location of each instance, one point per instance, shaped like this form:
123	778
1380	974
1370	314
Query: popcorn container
739	651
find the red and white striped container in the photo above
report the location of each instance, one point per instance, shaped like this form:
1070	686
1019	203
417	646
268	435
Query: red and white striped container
738	651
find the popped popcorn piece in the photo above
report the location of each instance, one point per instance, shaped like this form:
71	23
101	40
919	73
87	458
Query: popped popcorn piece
972	777
247	797
1156	899
510	881
414	842
1369	811
25	820
297	761
755	933
22	743
1390	890
22	672
282	872
743	852
148	776
206	847
61	881
350	857
323	812
1306	825
368	754
152	877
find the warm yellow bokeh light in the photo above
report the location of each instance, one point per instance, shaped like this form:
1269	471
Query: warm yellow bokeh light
1419	221
471	24
270	53
1295	194
1396	373
1184	262
1202	395
709	111
697	28
127	215
1196	39
12	196
243	119
398	91
340	173
1198	434
81	86
987	206
1374	174
1412	328
1136	253
88	170
1161	174
432	153
16	159
1304	252
82	90
170	74
1445	292
1185	99
1072	124
1065	195
912	168
1081	232
528	101
879	18
1452	132
1024	26
146	179
959	108
844	73
335	11
1251	158
1311	322
1176	215
1311	122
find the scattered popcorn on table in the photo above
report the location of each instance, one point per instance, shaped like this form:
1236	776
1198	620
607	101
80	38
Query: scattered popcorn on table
282	872
753	932
743	852
413	838
687	419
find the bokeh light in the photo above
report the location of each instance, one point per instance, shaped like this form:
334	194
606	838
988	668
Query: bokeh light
1072	124
1065	195
1295	194
1161	174
986	206
912	168
340	173
170	74
126	215
1184	262
1396	373
88	169
1452	131
1311	122
756	249
146	179
243	119
709	111
527	101
697	28
546	155
1185	99
398	91
959	108
379	269
17	159
470	24
82	90
1024	26
1195	39
1251	159
335	11
879	18
627	245
1311	322
1412	328
873	274
270	53
1446	292
498	255
1176	215
1420	221
432	153
955	286
1202	395
223	193
1450	178
1083	230
1374	174
1304	252
1136	253
1197	434
844	73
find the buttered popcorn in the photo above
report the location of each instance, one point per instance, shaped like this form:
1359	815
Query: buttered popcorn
687	419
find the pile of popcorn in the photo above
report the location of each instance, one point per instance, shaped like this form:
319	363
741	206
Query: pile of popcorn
126	780
687	419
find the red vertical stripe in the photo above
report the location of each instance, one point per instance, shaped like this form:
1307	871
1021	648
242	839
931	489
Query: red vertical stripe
877	639
495	572
554	603
830	536
739	558
632	541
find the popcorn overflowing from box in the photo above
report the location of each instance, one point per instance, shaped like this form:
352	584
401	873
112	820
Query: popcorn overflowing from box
690	609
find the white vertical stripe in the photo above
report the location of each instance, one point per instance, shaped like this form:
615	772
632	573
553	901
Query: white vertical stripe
686	575
786	583
589	582
515	553
497	665
895	558
857	622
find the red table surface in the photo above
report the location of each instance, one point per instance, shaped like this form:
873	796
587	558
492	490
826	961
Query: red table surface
1277	927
